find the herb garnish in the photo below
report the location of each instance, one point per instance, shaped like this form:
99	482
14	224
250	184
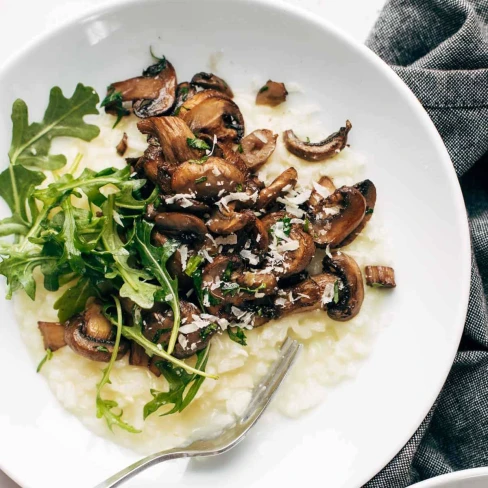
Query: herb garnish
238	335
113	103
193	264
47	357
263	89
306	225
239	187
240	149
197	144
336	291
369	211
286	225
202	179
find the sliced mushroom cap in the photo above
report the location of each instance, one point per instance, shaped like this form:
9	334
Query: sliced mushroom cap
224	279
272	94
257	147
227	222
320	192
224	150
211	81
337	216
151	95
218	116
368	190
90	334
199	98
295	253
52	335
172	134
154	168
159	324
121	147
317	151
184	91
351	288
303	297
327	283
206	180
188	228
270	193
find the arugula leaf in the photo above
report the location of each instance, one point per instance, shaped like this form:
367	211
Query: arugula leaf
73	300
19	268
179	381
63	117
154	260
47	357
136	284
238	336
16	185
13	225
193	264
105	407
197	144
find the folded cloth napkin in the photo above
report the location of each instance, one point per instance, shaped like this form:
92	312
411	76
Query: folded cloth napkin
440	50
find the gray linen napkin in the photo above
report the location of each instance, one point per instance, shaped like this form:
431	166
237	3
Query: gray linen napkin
440	49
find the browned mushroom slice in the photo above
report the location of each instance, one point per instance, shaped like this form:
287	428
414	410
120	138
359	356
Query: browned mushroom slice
206	180
187	204
317	151
152	166
270	193
380	276
158	326
257	147
260	235
211	81
288	254
52	335
272	94
350	288
152	94
218	116
121	147
90	334
329	288
187	228
138	356
320	192
337	216
199	98
303	297
172	134
225	280
184	91
225	222
368	190
224	150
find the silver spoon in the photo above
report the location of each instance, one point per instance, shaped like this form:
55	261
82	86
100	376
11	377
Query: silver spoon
229	438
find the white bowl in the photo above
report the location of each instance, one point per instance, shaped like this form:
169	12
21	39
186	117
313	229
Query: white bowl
365	422
468	478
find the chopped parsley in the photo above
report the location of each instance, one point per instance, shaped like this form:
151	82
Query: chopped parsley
202	179
336	291
199	161
228	272
114	103
286	225
263	89
156	68
197	144
239	187
369	211
238	336
306	225
102	349
239	149
204	333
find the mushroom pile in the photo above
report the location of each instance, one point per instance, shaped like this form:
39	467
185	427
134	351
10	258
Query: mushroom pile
245	246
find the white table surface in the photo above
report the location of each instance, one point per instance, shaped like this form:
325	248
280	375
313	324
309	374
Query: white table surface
17	28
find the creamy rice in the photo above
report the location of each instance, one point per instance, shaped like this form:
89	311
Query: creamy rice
332	350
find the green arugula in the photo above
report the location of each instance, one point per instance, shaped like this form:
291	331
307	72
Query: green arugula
105	408
47	357
183	386
154	260
113	103
73	300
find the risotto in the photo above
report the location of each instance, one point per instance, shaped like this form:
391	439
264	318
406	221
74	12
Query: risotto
332	350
